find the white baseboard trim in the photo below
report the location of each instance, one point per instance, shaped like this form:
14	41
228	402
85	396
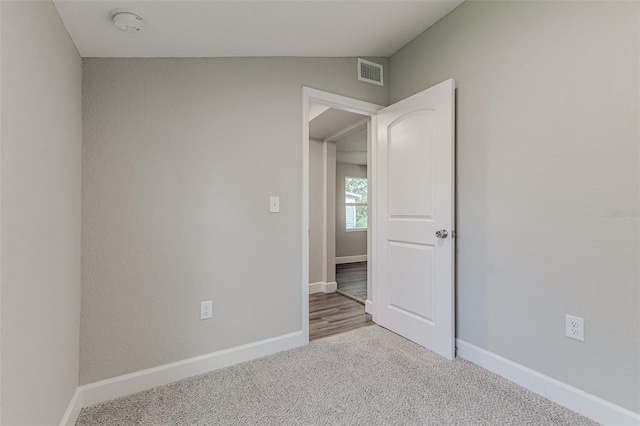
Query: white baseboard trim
351	259
316	287
368	307
105	390
588	405
73	410
322	287
330	287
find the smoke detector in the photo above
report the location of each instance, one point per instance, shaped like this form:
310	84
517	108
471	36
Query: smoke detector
127	20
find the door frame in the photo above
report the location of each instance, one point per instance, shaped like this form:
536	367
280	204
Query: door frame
359	107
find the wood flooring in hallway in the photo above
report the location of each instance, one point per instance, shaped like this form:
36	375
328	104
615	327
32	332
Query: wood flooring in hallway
352	279
333	313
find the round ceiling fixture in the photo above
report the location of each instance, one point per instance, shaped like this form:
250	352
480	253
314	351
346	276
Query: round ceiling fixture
127	20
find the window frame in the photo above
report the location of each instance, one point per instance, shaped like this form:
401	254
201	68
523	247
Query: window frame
355	205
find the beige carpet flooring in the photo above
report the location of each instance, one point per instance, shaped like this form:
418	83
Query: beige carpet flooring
367	376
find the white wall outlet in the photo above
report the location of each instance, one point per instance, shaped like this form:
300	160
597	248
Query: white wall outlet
274	204
574	327
206	309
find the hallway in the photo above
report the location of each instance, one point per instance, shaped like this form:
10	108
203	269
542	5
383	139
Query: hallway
333	313
352	280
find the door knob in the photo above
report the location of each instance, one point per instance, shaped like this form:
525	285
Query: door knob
442	233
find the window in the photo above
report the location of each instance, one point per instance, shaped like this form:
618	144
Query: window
355	199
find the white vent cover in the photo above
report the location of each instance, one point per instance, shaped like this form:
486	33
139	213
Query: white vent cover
370	72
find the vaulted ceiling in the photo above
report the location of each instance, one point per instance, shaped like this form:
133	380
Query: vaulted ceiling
251	28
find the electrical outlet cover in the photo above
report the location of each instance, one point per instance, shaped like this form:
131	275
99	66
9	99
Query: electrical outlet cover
574	327
206	309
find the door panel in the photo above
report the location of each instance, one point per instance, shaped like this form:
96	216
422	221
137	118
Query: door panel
414	294
407	154
411	275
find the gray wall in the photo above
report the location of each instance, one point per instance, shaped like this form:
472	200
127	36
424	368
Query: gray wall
547	142
180	157
40	214
316	204
348	243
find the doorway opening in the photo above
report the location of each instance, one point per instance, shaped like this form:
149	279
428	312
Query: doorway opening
412	209
338	224
338	221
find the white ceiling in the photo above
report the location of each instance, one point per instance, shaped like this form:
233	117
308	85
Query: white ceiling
352	149
251	28
330	122
351	146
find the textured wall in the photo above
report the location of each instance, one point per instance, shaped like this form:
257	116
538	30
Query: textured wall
180	157
547	143
40	214
352	243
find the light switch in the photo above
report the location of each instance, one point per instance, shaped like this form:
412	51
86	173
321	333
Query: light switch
274	204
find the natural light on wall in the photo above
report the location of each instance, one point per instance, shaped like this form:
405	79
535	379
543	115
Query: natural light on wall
355	192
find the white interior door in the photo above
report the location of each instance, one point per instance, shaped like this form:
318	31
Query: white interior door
414	294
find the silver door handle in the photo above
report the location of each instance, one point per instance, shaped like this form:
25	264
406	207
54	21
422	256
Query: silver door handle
442	233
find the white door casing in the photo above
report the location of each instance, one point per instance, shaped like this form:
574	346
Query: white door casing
414	293
345	104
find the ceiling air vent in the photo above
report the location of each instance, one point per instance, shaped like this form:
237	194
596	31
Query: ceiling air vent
370	72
